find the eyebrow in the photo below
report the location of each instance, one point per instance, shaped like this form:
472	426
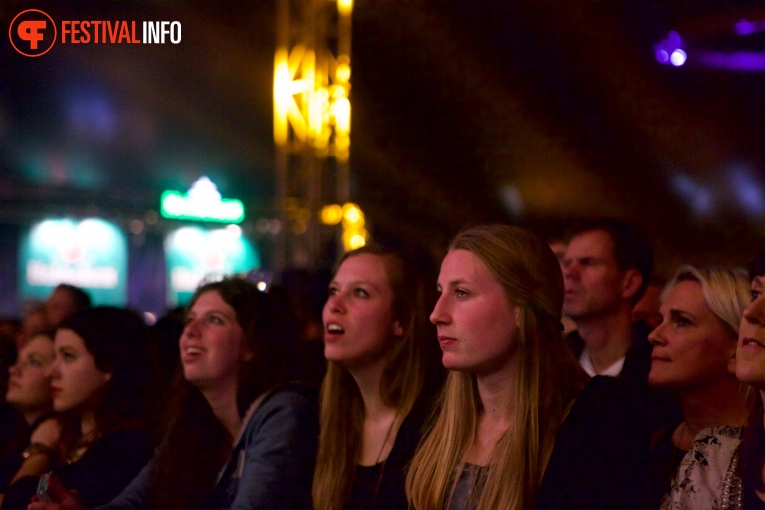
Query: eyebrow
452	283
674	312
356	282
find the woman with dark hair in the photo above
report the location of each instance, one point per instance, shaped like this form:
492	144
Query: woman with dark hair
373	402
519	426
103	380
239	436
29	394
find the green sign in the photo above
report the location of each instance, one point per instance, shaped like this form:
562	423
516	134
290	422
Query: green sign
201	203
194	254
90	253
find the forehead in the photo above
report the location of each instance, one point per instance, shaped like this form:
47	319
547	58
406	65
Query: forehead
68	338
40	344
60	297
212	300
593	243
462	264
686	295
364	267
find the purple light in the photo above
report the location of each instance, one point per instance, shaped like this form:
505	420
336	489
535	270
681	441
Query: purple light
678	58
667	47
738	61
744	27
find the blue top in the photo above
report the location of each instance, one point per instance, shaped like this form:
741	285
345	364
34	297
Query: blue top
271	465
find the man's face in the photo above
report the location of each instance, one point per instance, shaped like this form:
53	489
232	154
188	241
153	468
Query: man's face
593	282
59	306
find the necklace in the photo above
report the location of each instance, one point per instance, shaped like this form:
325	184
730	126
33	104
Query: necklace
379	455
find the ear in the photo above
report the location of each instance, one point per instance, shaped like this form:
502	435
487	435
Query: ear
248	355
397	329
631	282
517	316
107	377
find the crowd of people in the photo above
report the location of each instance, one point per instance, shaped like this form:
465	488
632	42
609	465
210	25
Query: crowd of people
532	381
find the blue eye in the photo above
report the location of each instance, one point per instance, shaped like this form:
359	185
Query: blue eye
683	322
359	292
755	294
460	293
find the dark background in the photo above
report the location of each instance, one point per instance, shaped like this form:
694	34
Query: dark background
534	113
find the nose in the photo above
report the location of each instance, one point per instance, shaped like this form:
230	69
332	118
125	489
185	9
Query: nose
571	269
335	303
192	328
53	371
439	314
755	312
656	337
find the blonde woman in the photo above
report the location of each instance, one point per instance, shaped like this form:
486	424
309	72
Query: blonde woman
372	400
694	360
519	426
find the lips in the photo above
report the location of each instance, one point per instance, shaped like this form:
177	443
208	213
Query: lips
446	341
333	331
189	353
55	391
751	343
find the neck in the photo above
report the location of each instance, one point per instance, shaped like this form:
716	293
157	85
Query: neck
496	393
368	380
224	407
32	415
88	428
607	338
718	403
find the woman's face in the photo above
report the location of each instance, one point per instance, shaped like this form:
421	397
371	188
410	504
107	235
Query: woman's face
29	383
359	323
211	344
477	325
75	380
692	347
750	354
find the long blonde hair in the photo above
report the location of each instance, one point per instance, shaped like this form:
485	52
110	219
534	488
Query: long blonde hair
548	380
342	408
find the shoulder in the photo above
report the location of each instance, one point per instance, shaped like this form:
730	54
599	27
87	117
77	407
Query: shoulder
704	472
294	396
284	406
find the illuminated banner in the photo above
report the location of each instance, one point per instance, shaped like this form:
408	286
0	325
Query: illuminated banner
201	203
91	254
193	254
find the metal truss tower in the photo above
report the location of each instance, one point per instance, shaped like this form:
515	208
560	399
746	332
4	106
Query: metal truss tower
312	112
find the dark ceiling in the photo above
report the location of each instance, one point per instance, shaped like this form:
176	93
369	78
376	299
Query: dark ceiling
463	112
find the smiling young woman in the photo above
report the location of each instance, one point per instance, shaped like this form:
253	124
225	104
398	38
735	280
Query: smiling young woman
518	425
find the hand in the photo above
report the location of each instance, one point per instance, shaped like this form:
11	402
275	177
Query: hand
62	499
